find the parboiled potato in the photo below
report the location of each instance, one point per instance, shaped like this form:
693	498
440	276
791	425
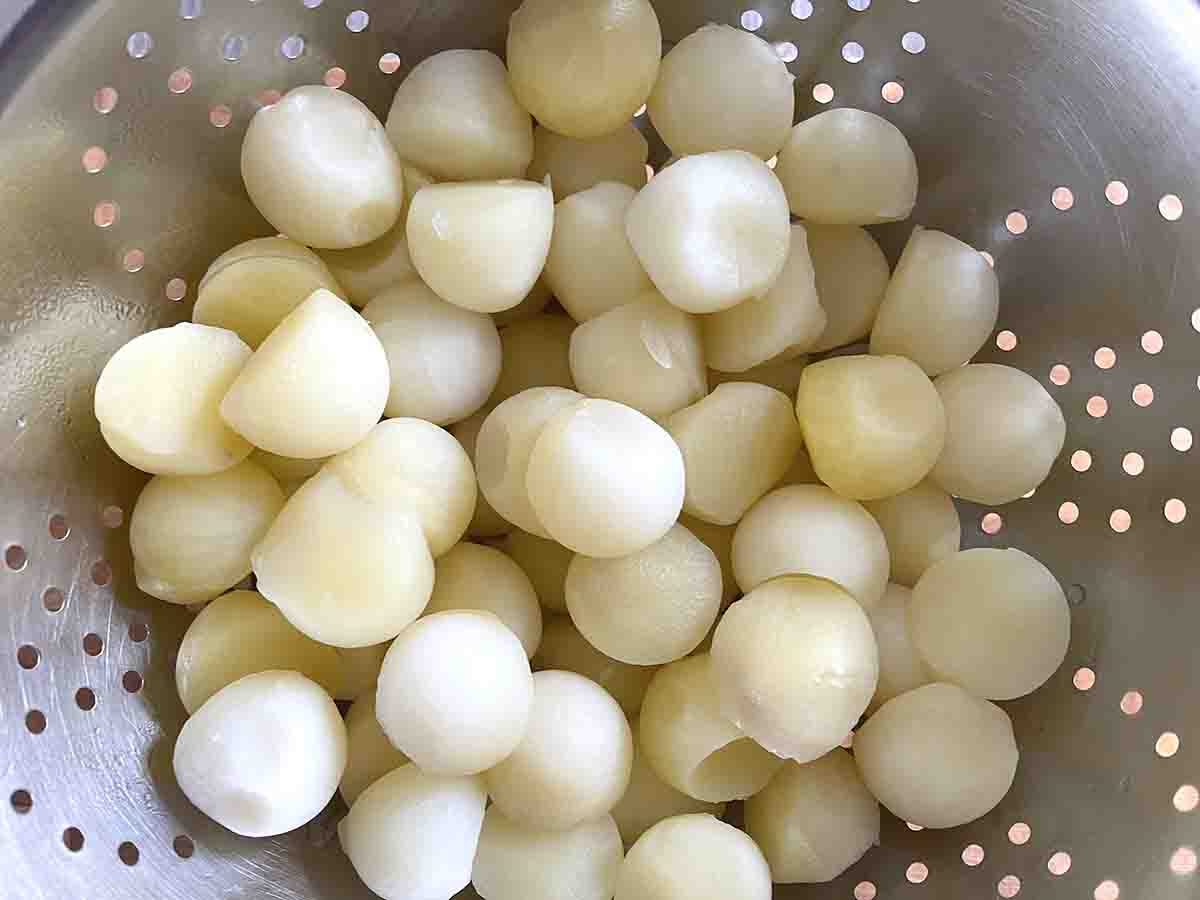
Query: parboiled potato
535	352
691	745
535	302
852	274
646	354
455	117
545	562
718	539
940	306
192	535
936	756
572	764
901	668
994	621
814	821
809	530
444	360
563	647
481	245
873	425
921	527
250	288
787	319
486	522
315	386
591	267
583	68
158	396
413	835
360	670
320	168
370	755
848	167
722	88
1003	433
575	165
263	755
604	480
712	230
783	375
736	443
238	634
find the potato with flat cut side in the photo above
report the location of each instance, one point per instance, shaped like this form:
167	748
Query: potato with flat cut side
575	165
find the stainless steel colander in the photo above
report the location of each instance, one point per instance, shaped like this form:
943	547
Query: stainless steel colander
1060	136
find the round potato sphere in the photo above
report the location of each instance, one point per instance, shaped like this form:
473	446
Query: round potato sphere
848	167
584	68
414	835
545	562
712	230
455	117
1003	433
515	862
157	400
263	755
718	539
563	647
535	302
575	165
360	670
921	526
192	535
852	273
320	168
536	353
572	764
936	756
901	668
873	425
486	522
694	857
605	480
940	306
444	360
370	755
722	88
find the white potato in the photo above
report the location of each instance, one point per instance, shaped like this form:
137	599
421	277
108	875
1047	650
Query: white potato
545	562
901	668
783	375
360	670
563	647
370	755
486	522
921	527
535	302
535	353
718	539
575	165
852	274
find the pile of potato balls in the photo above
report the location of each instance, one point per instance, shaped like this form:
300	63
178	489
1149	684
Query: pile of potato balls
610	567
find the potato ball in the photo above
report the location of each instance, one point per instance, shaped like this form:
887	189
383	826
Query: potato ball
873	425
545	562
718	539
535	302
921	527
370	755
712	230
192	535
575	165
852	274
360	670
158	397
605	480
455	117
722	88
413	836
263	755
563	647
536	353
1003	433
584	68
936	756
809	530
783	375
736	443
572	764
320	168
486	522
901	668
848	167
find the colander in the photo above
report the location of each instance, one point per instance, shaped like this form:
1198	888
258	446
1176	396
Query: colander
1058	136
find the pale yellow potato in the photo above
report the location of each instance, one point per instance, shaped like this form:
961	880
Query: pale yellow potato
873	425
455	117
287	470
848	167
583	68
192	535
718	539
563	647
814	821
250	288
370	755
1003	433
486	522
360	670
238	634
536	352
158	396
807	529
545	562
921	527
575	165
852	274
722	88
535	302
481	245
783	375
901	668
712	230
646	354
320	168
936	756
691	745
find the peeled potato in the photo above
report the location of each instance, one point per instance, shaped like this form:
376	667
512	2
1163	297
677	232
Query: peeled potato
157	400
370	755
535	353
192	535
722	88
320	168
545	562
1003	433
360	670
736	443
563	647
285	469
575	165
535	301
455	117
481	245
848	167
718	539
263	755
921	527
936	756
486	522
783	375
712	230
852	273
814	821
901	668
583	68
